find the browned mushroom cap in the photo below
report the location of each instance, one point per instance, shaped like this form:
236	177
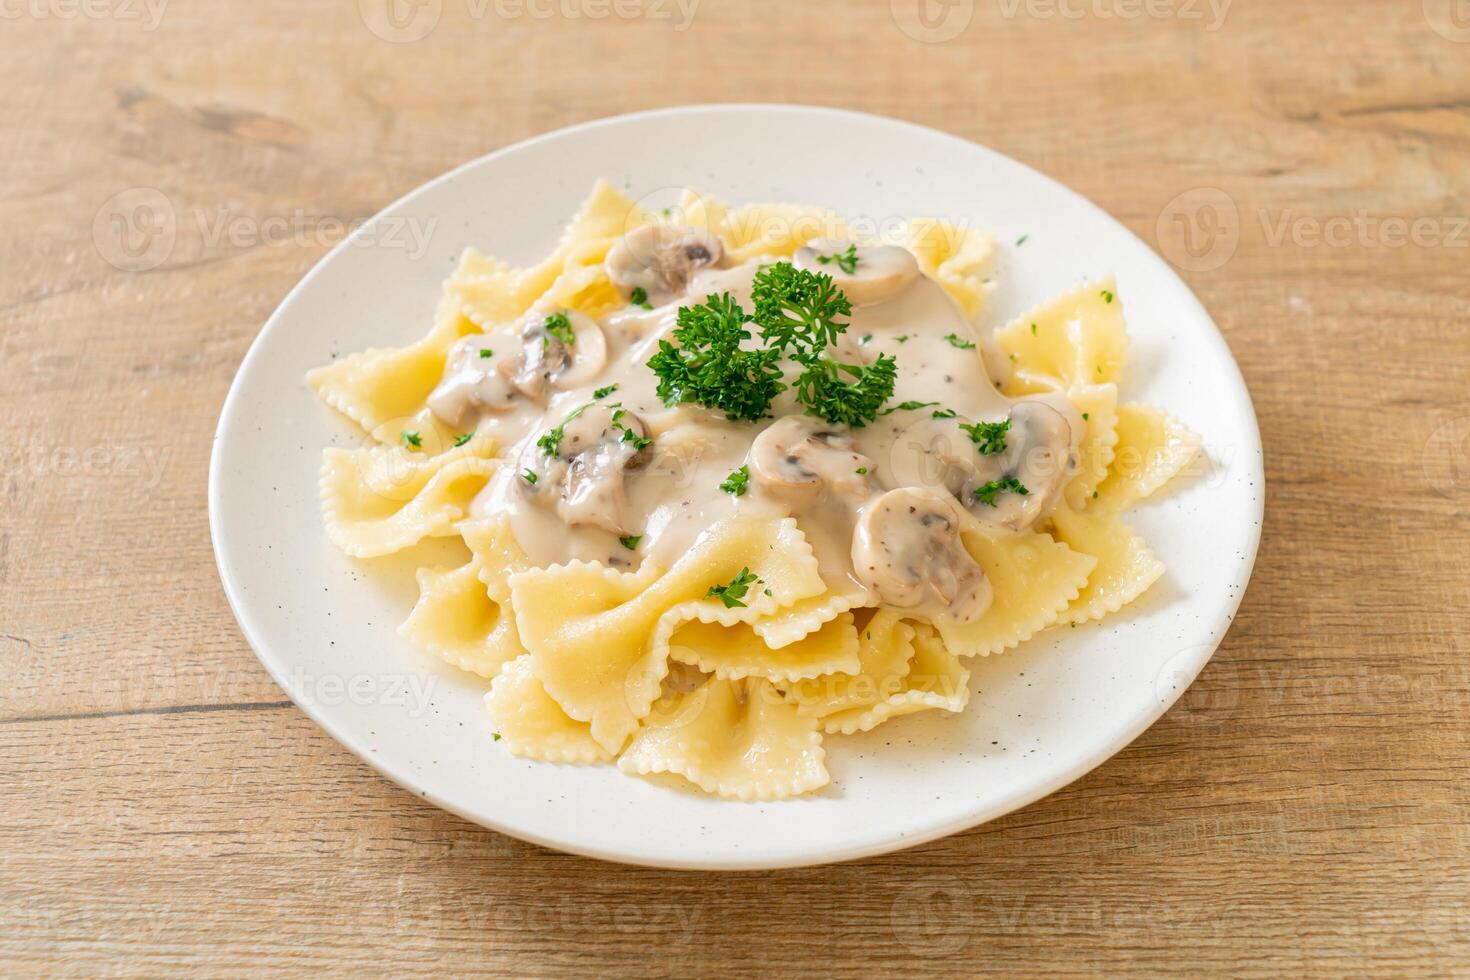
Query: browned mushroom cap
907	550
799	459
581	465
1040	448
661	259
867	274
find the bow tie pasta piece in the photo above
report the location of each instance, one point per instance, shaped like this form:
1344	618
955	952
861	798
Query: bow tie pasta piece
733	652
495	294
703	212
790	625
532	725
599	638
1098	404
738	739
775	231
1035	578
1153	447
464	615
376	387
955	257
935	679
1078	339
382	499
1126	568
885	654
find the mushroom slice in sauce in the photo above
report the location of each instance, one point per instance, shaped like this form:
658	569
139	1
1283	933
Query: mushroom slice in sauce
481	375
584	476
1040	447
799	459
877	272
547	358
661	259
907	550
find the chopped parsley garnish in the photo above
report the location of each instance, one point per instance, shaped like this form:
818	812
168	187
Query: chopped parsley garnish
558	326
987	493
957	341
737	482
638	442
988	437
1022	240
862	471
639	298
846	261
907	407
1107	296
902	338
1033	330
732	594
631	541
461	440
486	352
867	338
604	392
944	413
550	442
529	477
800	315
708	366
413	439
495	735
1085	416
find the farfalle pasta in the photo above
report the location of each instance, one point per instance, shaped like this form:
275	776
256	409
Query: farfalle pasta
737	479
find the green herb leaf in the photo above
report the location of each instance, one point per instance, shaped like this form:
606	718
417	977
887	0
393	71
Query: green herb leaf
413	439
486	352
604	392
495	735
558	326
847	261
639	298
550	442
707	366
1107	296
988	437
987	493
631	541
529	477
461	440
737	482
1022	240
907	407
944	413
732	593
957	341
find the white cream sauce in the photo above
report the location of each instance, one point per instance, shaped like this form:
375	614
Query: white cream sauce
672	494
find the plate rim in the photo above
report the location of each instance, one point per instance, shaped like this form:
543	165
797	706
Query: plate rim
1119	739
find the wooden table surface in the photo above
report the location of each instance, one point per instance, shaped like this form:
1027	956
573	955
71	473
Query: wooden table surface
1306	163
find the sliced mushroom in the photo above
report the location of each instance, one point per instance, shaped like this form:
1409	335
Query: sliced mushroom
1018	487
661	259
483	375
867	274
907	550
583	472
472	382
546	357
799	459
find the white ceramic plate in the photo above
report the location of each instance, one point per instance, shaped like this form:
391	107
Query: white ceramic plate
1041	716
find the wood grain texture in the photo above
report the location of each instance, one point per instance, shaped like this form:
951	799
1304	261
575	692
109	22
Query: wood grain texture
1306	809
